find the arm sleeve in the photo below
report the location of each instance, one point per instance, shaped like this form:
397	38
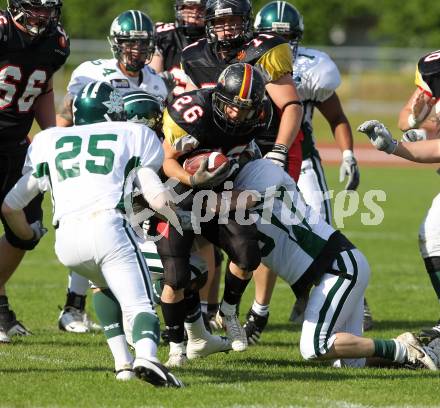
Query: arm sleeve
152	188
26	188
152	154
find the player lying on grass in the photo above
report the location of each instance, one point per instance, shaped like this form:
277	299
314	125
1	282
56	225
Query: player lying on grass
85	168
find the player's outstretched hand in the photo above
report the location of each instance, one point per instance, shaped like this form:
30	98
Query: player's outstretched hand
379	136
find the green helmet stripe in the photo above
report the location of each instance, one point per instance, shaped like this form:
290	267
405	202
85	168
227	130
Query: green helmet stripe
86	90
95	89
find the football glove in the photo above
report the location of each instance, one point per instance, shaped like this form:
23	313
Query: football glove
414	135
349	168
203	178
379	136
278	154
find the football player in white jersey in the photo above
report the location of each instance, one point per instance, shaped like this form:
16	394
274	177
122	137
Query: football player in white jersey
132	43
316	78
85	168
306	251
419	118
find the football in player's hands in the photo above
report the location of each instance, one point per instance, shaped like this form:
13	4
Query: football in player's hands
215	160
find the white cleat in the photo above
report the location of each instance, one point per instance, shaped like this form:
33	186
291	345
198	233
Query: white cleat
234	330
177	356
76	321
125	373
155	373
202	347
417	355
4	338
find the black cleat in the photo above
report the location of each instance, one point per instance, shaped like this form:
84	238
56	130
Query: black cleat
254	326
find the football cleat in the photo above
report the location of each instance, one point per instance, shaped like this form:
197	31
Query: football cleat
4	338
155	373
10	326
202	347
177	356
417	355
234	330
431	333
254	326
73	320
125	373
368	318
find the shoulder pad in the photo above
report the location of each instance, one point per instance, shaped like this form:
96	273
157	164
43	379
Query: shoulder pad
258	46
429	64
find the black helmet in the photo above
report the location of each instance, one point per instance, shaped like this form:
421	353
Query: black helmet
97	102
29	14
132	28
242	32
242	87
281	18
190	30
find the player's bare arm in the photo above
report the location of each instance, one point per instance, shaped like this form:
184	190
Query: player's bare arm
171	166
44	107
332	110
65	118
284	95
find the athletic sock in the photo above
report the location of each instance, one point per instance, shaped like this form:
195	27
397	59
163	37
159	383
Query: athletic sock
120	352
192	305
260	310
234	288
75	300
174	316
108	312
385	349
77	283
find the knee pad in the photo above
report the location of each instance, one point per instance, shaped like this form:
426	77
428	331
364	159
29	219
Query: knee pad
432	264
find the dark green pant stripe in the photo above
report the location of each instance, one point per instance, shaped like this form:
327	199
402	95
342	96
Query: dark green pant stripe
141	262
317	167
343	297
323	313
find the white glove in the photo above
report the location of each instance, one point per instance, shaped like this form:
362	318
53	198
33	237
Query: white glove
414	135
39	230
278	154
379	136
349	167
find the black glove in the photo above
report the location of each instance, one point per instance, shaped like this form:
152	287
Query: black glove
203	178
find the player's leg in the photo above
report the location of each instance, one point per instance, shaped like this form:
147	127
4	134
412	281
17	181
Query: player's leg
73	317
258	314
241	245
10	257
127	276
330	309
429	245
174	250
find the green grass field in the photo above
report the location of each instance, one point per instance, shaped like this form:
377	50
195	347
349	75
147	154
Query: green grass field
55	369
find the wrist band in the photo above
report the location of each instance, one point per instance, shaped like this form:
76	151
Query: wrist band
412	122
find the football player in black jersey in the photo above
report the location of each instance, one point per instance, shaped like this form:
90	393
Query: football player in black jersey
229	39
172	38
226	118
33	46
